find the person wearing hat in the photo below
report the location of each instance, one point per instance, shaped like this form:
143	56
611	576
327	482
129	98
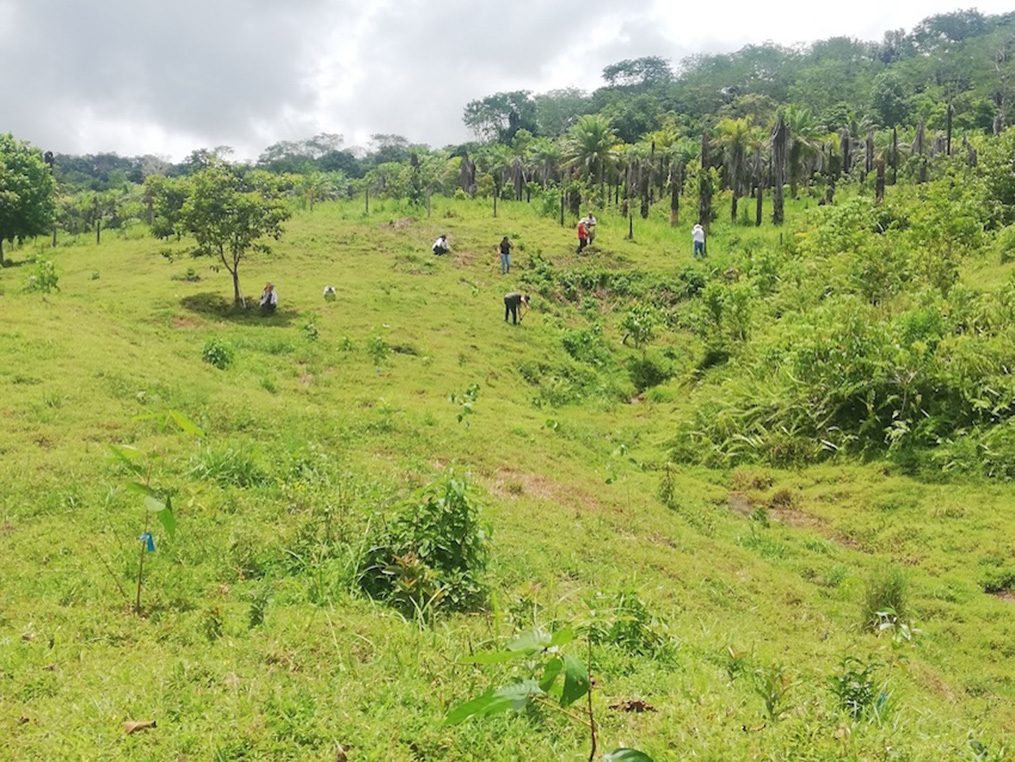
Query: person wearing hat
698	236
269	299
512	303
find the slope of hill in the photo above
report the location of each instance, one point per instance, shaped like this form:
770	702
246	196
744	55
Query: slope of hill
724	592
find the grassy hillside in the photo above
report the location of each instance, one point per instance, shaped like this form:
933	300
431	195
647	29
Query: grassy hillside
726	593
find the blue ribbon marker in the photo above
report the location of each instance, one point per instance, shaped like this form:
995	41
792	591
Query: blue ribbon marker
151	541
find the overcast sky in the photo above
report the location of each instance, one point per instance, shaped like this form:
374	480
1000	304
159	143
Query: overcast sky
168	76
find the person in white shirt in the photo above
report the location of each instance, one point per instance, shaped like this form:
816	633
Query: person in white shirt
698	236
441	246
329	294
269	298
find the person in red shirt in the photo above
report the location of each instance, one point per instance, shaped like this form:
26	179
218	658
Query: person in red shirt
583	236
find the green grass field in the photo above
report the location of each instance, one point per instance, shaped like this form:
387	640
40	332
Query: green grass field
254	641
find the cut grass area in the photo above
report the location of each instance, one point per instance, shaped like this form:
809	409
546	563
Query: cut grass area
254	642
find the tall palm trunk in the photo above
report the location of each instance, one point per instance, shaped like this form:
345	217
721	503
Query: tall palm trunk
704	185
780	136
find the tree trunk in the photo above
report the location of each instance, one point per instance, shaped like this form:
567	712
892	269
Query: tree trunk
923	172
98	231
846	157
868	165
879	181
645	175
733	208
948	130
674	196
704	185
2	263
780	136
895	155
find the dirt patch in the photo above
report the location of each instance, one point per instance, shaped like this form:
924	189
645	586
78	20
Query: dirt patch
511	484
1008	596
402	224
185	322
794	518
740	504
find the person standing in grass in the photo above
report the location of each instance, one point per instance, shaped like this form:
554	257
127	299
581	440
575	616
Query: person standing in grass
512	303
583	235
269	299
505	255
698	236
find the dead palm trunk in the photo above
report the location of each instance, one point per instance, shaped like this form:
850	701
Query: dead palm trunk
759	181
704	185
868	164
948	130
879	182
645	177
780	136
844	140
895	155
675	194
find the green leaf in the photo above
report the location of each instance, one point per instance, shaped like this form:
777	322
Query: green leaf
627	755
576	681
167	519
153	504
553	668
528	642
186	425
562	637
127	455
511	697
140	488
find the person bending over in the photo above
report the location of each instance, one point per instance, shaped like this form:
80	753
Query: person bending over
441	246
513	303
269	299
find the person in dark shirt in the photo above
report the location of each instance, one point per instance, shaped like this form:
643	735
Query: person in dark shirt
512	303
505	255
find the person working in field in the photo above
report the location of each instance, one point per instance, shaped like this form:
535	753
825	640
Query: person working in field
583	235
505	255
590	227
698	236
269	298
513	302
441	246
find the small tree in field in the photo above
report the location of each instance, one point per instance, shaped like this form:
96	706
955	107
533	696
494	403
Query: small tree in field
230	210
27	202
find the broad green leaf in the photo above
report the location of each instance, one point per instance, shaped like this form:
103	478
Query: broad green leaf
167	519
562	637
186	425
576	681
140	488
153	504
553	668
510	697
127	455
627	755
536	640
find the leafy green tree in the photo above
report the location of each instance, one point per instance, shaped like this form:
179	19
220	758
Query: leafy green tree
649	70
230	210
27	192
501	115
558	110
590	147
889	99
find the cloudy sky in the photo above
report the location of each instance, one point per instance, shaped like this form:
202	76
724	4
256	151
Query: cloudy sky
169	76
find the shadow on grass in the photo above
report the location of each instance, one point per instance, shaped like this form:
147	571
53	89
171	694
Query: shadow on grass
216	306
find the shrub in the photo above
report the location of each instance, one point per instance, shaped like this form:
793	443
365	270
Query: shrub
431	556
885	597
216	353
857	689
623	620
648	371
44	278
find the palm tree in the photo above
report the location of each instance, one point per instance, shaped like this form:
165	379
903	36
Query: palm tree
780	137
804	142
545	155
589	147
735	139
